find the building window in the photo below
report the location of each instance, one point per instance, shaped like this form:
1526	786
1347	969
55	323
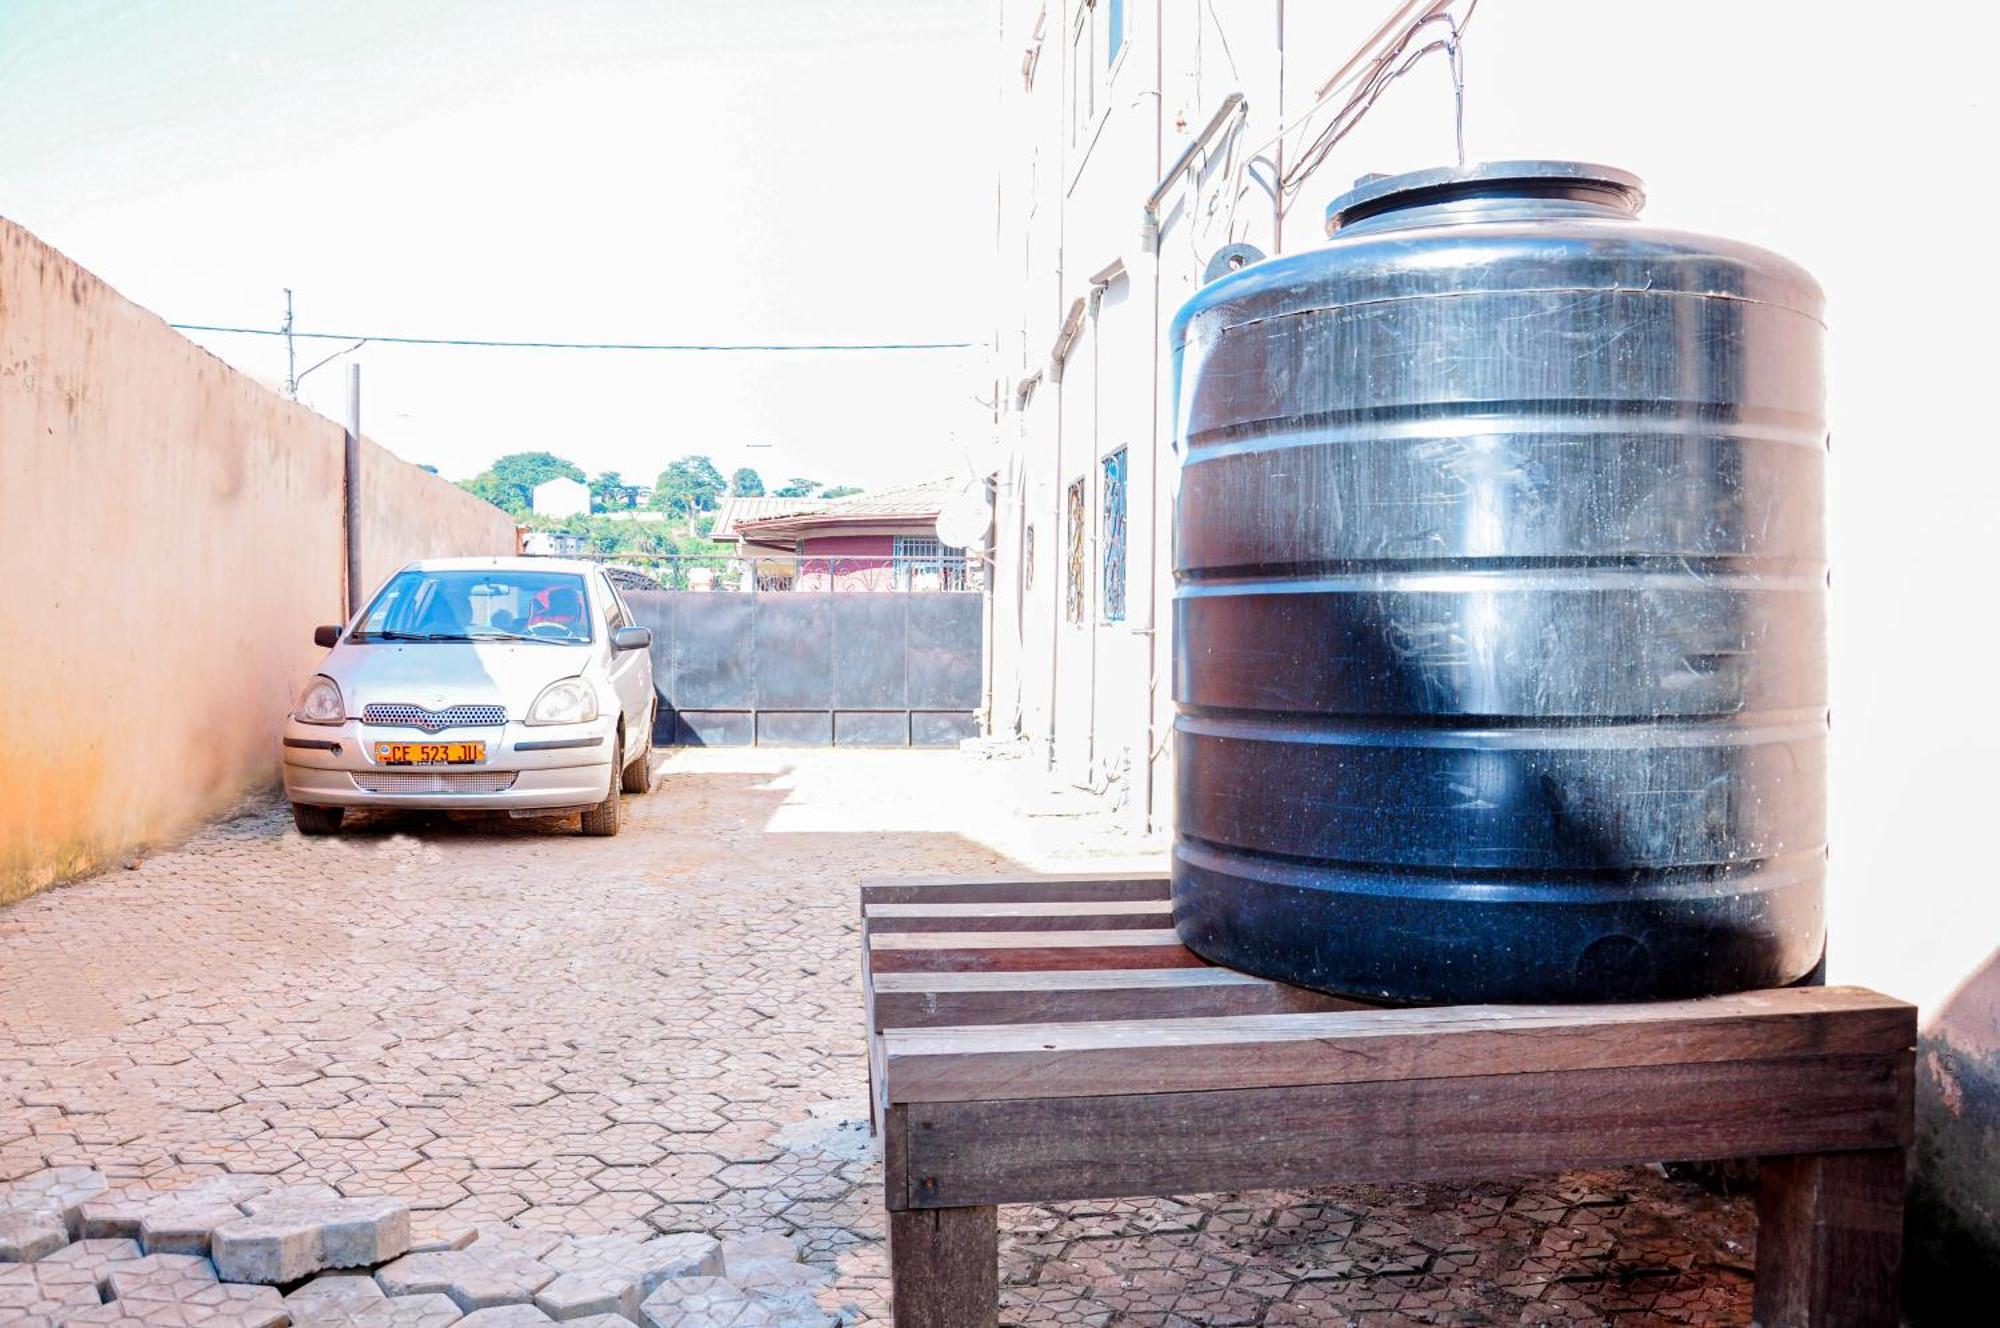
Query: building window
1028	559
1073	578
922	563
1113	570
1114	31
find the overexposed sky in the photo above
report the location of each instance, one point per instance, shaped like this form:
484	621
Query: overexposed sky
602	170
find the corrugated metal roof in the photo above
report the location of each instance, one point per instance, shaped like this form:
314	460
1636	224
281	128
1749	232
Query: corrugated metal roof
733	512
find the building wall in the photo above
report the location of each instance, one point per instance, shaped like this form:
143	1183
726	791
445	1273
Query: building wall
1778	124
172	534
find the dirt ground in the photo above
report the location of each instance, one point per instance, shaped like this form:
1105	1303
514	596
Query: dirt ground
505	1022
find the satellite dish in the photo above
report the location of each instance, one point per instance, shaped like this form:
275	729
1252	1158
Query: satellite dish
965	518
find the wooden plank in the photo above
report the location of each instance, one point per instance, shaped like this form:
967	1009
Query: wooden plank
1020	887
944	1268
1039	915
1023	951
1117	1057
1830	1240
928	1000
1053	1149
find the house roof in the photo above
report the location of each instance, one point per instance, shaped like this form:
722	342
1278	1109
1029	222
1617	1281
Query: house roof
734	512
910	504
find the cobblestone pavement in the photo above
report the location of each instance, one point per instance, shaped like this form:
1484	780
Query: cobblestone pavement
503	1023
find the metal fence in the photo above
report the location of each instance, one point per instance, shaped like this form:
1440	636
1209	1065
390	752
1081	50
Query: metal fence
753	574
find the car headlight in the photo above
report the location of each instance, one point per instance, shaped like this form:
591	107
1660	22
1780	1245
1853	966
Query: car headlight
319	702
570	701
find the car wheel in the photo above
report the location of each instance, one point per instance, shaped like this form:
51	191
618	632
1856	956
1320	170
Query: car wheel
638	776
316	820
604	819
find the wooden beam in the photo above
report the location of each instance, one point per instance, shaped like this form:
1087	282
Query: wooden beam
1045	1150
1064	915
1830	1240
993	951
929	1000
1120	1057
944	1268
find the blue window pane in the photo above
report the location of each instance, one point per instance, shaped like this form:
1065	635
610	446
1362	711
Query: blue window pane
1114	22
1113	572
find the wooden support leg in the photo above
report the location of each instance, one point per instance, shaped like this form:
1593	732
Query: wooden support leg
1830	1240
944	1267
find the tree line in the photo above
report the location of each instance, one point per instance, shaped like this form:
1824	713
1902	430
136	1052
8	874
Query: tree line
690	488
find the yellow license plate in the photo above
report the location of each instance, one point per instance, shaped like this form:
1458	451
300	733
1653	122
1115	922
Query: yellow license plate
430	753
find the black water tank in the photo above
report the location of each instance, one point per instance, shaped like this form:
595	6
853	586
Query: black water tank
1499	609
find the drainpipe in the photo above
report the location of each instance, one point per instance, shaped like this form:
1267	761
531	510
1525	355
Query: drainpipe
350	490
1233	105
1153	523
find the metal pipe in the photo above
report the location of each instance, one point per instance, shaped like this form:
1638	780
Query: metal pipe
351	490
1234	103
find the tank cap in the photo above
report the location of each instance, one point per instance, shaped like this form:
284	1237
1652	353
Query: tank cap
1579	181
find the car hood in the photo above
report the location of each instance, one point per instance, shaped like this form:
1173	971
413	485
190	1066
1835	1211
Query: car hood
447	673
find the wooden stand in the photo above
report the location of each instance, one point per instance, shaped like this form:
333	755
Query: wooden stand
1038	1039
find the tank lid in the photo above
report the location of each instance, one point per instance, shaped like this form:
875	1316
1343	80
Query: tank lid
1579	181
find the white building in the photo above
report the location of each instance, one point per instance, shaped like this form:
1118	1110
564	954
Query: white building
561	497
1785	125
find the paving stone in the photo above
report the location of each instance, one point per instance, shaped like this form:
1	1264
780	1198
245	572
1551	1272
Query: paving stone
478	1277
429	1311
62	1189
28	1299
286	1236
27	1234
88	1262
123	1213
613	1274
213	1305
507	1316
337	1289
718	1302
159	1277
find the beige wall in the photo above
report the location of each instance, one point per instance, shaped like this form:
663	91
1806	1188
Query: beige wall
170	533
1790	125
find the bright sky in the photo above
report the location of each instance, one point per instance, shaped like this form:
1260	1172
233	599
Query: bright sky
601	170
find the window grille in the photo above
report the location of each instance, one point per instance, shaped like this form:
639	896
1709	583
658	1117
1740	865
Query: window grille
1073	580
925	562
1112	572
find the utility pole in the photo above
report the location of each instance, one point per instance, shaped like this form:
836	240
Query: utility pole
351	490
291	357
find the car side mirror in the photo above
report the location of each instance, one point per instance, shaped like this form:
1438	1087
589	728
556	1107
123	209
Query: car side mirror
328	637
632	638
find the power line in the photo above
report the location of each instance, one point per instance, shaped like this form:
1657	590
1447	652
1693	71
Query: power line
493	342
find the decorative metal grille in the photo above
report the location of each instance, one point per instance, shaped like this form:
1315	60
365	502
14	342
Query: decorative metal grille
1112	572
432	721
1073	580
924	562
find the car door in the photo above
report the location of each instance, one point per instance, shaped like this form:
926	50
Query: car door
631	670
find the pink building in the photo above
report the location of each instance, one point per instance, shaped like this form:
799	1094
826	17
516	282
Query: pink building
871	541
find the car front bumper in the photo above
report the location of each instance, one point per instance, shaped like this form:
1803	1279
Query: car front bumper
545	768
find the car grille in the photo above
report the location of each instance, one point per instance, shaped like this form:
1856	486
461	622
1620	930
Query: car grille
435	781
432	721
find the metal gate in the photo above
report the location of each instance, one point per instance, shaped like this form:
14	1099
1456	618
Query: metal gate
901	669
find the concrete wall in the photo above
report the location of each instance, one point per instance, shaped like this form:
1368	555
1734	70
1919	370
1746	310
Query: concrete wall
171	534
1780	124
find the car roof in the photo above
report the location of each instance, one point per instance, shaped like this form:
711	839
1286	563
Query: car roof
513	563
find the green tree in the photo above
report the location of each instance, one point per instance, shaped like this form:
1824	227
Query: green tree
840	491
687	486
610	493
798	486
746	483
509	483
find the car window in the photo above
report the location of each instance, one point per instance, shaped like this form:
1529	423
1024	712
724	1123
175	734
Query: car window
478	604
614	608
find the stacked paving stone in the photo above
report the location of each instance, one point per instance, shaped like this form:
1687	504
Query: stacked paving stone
244	1252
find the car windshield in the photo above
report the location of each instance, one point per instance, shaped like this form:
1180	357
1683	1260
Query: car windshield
489	604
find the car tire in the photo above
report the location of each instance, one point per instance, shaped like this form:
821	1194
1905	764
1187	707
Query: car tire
638	776
316	820
604	820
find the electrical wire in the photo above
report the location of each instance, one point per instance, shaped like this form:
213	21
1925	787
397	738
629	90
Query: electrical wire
503	344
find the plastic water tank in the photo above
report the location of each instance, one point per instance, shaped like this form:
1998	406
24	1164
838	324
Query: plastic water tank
1499	606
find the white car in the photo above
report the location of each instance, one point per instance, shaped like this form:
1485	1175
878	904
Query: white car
517	685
